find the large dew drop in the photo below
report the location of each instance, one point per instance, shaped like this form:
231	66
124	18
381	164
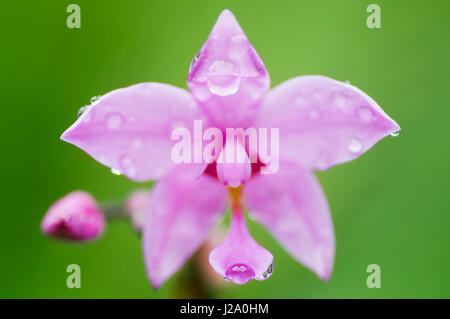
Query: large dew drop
240	274
221	80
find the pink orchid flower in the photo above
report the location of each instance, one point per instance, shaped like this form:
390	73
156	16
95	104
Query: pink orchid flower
322	122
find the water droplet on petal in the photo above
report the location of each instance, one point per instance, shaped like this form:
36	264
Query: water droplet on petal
221	67
300	101
355	145
114	122
240	273
115	171
128	167
267	273
82	110
340	101
221	80
395	134
94	99
251	217
195	59
223	85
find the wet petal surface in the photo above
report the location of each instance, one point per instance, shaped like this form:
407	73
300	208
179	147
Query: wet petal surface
227	77
292	206
240	258
323	122
129	130
183	208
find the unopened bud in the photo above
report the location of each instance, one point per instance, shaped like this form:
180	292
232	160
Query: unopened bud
76	217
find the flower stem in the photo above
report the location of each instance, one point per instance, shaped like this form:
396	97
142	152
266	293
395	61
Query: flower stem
113	209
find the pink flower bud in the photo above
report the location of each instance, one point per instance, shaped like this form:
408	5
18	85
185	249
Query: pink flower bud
136	206
76	216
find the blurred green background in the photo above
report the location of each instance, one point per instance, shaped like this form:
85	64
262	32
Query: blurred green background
391	207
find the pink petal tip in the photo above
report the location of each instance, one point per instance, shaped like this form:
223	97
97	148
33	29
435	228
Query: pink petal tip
240	258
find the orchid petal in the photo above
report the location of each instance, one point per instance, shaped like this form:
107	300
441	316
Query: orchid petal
130	129
227	77
293	207
182	210
233	169
323	122
240	258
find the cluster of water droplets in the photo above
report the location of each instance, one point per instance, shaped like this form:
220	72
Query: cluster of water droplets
241	273
83	109
223	76
311	106
114	121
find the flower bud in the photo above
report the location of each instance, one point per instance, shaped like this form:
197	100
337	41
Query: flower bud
76	217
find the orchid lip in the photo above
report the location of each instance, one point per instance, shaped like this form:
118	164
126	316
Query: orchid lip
240	274
240	258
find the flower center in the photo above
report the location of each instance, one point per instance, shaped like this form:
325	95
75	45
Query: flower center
235	196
